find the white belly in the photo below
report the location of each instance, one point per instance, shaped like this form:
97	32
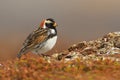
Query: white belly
47	46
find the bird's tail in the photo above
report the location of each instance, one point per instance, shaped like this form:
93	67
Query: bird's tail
22	51
19	55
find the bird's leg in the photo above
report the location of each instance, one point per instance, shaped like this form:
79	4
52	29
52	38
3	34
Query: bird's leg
39	54
44	55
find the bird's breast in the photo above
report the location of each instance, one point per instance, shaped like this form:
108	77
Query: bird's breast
48	45
50	42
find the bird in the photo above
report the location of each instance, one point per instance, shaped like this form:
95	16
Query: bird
40	40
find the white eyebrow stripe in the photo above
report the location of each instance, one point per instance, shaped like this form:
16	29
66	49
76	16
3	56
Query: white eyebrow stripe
47	21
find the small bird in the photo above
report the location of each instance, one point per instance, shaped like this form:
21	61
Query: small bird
41	40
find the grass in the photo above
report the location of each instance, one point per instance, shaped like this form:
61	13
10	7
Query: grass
37	68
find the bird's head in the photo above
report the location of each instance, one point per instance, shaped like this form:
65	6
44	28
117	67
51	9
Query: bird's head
48	23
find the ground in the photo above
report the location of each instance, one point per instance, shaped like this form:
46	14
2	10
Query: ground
94	60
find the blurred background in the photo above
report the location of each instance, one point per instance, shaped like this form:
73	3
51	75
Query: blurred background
77	20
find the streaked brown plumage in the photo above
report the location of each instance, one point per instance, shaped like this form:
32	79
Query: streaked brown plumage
36	39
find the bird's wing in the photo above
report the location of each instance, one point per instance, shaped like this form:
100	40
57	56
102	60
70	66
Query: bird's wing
36	37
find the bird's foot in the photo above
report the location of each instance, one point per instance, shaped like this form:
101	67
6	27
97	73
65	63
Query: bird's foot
43	55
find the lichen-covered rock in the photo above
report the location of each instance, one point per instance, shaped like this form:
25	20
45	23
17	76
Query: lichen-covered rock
107	45
78	46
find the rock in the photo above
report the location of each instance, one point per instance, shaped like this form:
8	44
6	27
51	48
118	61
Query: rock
95	49
78	46
117	41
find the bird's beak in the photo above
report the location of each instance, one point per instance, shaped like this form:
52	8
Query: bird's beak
55	25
